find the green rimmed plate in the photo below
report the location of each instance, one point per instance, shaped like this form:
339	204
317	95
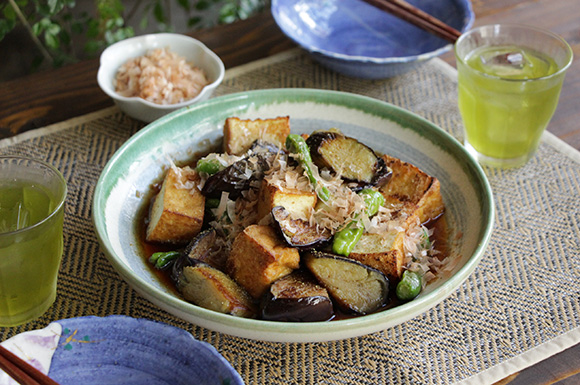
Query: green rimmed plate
127	178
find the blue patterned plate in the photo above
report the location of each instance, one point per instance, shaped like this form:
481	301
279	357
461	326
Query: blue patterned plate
121	350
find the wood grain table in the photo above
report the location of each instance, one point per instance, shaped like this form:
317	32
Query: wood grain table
52	96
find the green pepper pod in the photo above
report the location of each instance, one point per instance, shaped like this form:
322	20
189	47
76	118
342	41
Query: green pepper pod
209	166
297	145
373	200
409	286
346	239
162	259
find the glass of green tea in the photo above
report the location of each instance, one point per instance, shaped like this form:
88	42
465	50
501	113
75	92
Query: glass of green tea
32	195
509	80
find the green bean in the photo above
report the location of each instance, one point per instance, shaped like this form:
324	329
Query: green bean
297	145
346	239
162	259
209	166
409	286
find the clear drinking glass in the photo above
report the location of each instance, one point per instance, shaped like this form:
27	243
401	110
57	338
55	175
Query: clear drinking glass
32	195
509	79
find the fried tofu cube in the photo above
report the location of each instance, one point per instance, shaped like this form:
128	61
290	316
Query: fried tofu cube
176	215
298	202
413	193
240	134
259	257
384	252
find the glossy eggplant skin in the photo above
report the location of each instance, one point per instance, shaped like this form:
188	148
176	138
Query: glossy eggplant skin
201	248
298	232
354	161
354	287
241	174
297	298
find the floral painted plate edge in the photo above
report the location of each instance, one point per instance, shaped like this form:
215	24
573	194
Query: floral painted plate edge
127	178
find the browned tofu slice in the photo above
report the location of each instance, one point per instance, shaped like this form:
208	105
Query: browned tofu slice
259	257
176	215
297	202
240	134
383	252
413	193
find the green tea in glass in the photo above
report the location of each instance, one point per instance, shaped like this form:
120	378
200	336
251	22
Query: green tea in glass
32	195
509	81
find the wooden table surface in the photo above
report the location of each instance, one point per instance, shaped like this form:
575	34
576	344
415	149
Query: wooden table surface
52	96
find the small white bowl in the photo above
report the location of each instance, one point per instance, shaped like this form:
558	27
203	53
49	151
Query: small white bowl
191	49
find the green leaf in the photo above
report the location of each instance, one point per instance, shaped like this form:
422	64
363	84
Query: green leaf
202	5
144	22
228	13
158	12
193	21
55	6
93	46
51	40
184	4
53	29
92	29
5	27
9	13
37	28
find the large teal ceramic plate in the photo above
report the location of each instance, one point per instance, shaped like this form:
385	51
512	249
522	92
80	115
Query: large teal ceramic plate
128	176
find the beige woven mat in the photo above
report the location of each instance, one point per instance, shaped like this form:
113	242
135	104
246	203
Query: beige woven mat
521	304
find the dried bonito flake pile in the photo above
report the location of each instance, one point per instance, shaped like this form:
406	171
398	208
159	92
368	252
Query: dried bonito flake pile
160	76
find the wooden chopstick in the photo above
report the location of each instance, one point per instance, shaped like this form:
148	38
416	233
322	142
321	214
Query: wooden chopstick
21	371
417	17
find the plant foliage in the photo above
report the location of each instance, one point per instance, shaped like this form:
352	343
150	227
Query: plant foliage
56	29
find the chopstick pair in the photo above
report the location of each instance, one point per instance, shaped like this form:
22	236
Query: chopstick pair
21	371
417	17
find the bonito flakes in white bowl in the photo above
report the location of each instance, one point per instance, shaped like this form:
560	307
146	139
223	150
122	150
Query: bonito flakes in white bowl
151	75
160	76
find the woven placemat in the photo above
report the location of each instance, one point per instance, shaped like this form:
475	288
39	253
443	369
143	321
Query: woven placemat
521	304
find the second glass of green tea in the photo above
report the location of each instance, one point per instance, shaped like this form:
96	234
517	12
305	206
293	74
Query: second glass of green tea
509	80
32	195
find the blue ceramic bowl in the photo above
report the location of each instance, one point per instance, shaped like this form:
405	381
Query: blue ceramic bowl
121	350
358	40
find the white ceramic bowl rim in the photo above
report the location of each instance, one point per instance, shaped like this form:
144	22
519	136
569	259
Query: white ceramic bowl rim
310	331
107	88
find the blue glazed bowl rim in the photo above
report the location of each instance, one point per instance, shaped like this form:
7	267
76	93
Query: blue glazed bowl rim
469	20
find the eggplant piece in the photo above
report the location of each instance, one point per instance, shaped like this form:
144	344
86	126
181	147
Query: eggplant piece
240	175
297	298
260	145
355	162
201	248
353	286
298	232
210	288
